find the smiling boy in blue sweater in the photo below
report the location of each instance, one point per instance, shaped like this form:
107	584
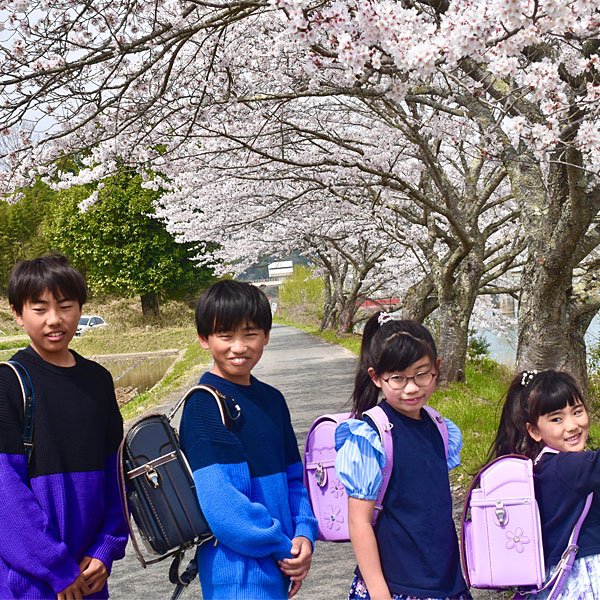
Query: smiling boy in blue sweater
250	478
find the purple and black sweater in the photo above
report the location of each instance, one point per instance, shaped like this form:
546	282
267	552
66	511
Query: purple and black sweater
65	504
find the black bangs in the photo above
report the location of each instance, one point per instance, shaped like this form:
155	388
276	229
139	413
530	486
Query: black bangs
400	350
228	315
30	279
552	390
228	304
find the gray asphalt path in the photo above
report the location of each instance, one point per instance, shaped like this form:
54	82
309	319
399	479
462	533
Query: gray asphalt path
316	378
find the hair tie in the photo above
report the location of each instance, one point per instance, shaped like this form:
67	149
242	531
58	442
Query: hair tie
528	376
384	318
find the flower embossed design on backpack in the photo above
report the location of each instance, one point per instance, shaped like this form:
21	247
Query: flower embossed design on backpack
335	517
337	489
516	540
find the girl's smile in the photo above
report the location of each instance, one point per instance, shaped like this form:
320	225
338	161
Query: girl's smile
565	430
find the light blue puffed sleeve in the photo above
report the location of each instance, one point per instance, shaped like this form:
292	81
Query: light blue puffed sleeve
454	444
360	458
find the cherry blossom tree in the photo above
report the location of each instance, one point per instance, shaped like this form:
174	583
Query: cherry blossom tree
375	187
165	85
528	71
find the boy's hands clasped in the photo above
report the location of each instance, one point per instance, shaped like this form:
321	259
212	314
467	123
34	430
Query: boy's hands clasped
296	568
91	579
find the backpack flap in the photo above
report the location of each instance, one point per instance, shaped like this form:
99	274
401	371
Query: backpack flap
326	493
161	491
501	538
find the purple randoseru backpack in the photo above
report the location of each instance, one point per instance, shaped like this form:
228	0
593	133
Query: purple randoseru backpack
327	495
501	531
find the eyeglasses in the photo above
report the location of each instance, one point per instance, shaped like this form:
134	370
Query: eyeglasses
398	382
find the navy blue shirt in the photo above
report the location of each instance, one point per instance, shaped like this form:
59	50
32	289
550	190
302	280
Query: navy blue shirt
562	483
415	532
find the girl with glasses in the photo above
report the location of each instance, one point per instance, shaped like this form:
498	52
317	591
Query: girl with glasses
412	551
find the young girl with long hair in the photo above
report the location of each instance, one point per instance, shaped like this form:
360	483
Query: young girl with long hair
412	552
547	409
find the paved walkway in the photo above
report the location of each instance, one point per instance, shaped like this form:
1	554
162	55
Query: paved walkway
315	378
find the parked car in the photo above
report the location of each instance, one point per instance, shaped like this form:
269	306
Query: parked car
87	322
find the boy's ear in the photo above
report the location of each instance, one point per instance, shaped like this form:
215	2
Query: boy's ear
533	432
17	315
374	377
203	342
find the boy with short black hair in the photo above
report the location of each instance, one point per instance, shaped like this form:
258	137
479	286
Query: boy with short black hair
61	522
252	495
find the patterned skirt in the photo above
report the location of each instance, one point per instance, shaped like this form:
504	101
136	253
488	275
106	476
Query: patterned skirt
358	591
582	584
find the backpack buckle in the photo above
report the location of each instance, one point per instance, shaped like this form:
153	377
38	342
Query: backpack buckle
321	475
153	478
501	513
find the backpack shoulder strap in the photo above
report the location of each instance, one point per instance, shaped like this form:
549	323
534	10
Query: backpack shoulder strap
28	403
440	423
384	429
223	401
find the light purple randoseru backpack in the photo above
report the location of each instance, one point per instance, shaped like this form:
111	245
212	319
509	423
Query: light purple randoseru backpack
501	531
326	493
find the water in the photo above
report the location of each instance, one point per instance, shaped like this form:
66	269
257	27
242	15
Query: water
140	371
503	349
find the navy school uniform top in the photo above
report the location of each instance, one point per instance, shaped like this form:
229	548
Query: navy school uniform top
562	482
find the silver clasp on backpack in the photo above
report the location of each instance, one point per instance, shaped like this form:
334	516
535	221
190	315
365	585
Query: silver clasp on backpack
321	475
501	513
153	478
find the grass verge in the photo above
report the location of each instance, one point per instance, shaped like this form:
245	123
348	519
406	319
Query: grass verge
139	339
11	345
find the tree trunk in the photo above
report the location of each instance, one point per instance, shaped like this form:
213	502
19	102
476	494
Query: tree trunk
150	306
453	344
347	307
551	321
551	324
457	283
346	313
419	301
457	298
328	319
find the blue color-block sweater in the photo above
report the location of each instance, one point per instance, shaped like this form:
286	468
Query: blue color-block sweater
250	488
65	504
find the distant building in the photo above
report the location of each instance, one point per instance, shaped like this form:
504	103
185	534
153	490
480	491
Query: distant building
281	269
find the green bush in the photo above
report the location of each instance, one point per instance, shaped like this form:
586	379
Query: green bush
593	365
479	347
301	297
